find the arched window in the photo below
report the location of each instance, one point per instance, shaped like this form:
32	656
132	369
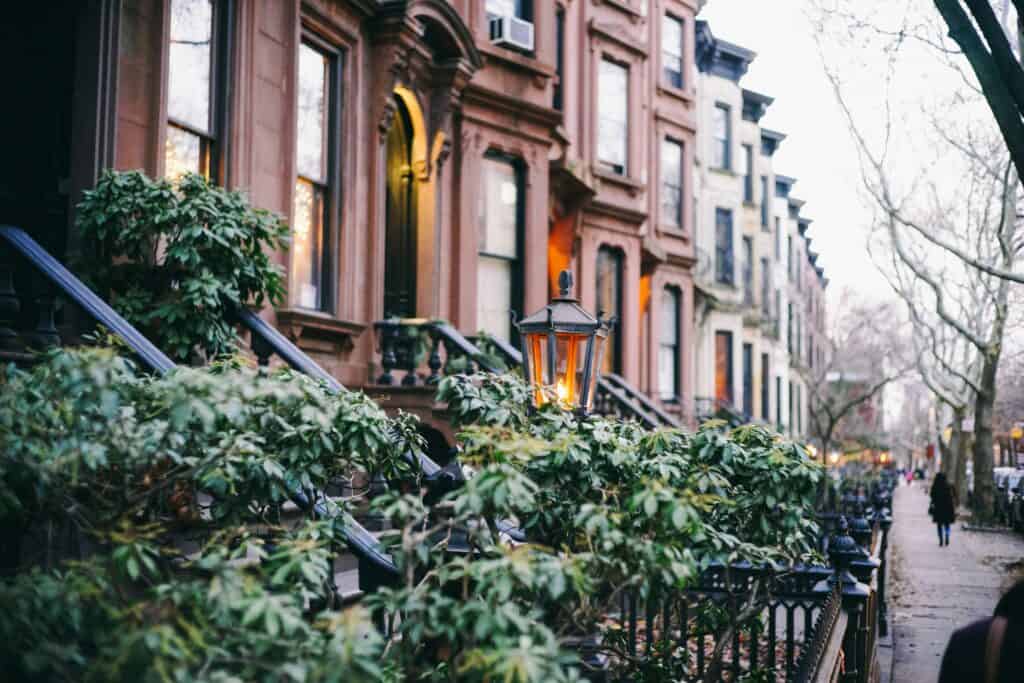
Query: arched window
609	301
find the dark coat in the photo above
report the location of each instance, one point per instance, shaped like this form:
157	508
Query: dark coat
964	660
943	503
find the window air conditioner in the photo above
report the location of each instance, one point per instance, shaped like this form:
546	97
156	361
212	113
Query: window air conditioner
512	32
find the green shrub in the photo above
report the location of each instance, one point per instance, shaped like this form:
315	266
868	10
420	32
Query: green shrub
175	260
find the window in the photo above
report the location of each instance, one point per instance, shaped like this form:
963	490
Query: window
777	327
668	345
520	9
672	182
790	401
799	409
559	59
789	256
672	51
613	113
748	174
766	287
499	265
316	182
748	379
764	203
723	247
748	271
765	388
778	239
723	367
789	326
778	402
609	301
721	128
196	107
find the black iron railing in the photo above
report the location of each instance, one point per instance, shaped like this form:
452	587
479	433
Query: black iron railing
52	279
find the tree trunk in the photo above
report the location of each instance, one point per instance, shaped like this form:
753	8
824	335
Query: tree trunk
958	445
984	487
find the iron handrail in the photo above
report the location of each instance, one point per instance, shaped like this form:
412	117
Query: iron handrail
641	398
76	290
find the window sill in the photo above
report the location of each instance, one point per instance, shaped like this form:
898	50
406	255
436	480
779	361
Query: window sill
670	230
723	171
749	204
525	61
318	331
684	95
632	185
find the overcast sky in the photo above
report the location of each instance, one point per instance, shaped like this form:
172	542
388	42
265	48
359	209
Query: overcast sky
818	151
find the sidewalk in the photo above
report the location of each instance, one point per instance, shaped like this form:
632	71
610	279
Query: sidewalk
937	590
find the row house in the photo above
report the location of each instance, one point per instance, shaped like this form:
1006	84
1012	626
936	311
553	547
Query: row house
760	295
435	159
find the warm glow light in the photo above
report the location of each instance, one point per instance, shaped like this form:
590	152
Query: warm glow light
834	457
812	450
562	392
884	458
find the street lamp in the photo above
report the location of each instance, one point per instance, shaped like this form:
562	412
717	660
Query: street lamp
562	350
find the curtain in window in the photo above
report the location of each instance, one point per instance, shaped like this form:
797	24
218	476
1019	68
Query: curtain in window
720	127
672	51
672	183
613	115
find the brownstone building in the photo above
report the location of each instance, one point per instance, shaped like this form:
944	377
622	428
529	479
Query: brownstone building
435	158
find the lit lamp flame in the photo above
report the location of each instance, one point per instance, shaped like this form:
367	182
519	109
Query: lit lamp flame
562	392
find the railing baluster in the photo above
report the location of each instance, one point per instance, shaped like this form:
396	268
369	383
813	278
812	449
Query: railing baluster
45	334
10	306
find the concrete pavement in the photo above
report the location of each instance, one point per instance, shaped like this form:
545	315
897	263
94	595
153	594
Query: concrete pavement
936	590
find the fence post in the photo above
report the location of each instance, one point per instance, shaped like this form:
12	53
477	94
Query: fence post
885	522
843	550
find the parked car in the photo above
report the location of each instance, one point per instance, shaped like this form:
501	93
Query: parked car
1001	499
1015	499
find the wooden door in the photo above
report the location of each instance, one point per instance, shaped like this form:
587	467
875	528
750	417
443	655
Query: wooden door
400	235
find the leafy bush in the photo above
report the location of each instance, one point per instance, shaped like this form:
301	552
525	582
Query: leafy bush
176	259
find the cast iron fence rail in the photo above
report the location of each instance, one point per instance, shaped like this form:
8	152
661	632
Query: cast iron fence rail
57	276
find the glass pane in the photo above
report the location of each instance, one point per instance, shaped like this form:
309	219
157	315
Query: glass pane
494	296
613	107
667	372
720	130
182	153
503	8
307	246
311	153
189	61
609	279
570	356
672	37
672	162
670	316
599	353
499	209
723	366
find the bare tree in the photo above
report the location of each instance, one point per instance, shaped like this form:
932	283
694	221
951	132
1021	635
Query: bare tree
866	353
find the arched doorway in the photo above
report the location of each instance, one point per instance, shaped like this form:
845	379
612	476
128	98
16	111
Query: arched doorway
400	233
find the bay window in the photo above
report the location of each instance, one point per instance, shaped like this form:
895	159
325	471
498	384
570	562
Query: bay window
500	229
613	116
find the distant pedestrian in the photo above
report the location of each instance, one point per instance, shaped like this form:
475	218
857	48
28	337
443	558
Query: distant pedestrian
943	506
984	651
910	477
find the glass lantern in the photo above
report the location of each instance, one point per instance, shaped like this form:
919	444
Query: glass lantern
562	351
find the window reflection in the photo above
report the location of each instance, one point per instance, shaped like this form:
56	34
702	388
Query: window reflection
609	302
613	113
189	80
668	347
309	223
498	261
672	51
721	130
672	183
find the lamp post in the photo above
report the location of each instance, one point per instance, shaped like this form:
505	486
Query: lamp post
563	346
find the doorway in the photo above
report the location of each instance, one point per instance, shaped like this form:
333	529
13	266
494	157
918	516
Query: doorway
400	233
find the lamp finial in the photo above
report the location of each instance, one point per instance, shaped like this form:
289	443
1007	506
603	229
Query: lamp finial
564	283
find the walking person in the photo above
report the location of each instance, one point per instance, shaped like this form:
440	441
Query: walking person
943	506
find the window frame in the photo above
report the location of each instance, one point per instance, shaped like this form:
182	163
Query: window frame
747	360
214	144
615	335
622	170
748	170
331	184
679	59
558	88
764	204
766	390
678	221
677	302
730	380
722	144
518	268
766	286
747	269
725	266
